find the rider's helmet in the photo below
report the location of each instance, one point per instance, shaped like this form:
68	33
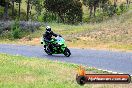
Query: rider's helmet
48	29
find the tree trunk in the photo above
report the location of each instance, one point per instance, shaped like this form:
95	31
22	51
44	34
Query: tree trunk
127	1
19	13
94	10
6	10
28	8
12	8
115	3
91	8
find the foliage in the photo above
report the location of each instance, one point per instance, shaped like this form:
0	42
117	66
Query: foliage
38	4
110	10
16	31
69	11
90	2
66	11
122	7
49	17
93	4
75	13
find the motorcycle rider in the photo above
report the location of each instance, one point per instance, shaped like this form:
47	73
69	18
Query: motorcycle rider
48	36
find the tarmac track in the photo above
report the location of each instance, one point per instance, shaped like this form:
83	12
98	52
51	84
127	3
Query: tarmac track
108	60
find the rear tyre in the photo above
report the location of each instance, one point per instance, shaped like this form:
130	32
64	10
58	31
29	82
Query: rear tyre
67	52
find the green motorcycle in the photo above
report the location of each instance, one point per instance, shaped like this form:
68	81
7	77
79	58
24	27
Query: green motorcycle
56	46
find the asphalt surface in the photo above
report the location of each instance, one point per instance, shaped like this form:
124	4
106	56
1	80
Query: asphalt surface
114	61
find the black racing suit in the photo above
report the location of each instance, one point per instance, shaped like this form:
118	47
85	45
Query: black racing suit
47	37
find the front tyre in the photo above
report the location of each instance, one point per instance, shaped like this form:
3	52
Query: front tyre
67	52
48	51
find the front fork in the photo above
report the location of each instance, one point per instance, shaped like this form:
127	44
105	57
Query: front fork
44	47
47	48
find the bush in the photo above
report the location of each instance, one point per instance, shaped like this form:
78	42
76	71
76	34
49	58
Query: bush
16	32
122	8
109	10
49	17
40	18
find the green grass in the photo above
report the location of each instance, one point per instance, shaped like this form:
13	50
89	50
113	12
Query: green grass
23	72
121	46
64	29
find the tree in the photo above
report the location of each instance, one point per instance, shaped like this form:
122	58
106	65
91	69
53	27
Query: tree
75	13
67	10
115	3
127	1
19	11
19	7
28	9
93	4
7	3
2	3
12	1
6	9
38	4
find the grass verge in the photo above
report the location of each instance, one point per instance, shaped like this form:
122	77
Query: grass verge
23	72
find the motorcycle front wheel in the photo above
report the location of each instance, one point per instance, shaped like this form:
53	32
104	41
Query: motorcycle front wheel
67	52
47	50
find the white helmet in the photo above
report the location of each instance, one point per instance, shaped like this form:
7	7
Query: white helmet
48	28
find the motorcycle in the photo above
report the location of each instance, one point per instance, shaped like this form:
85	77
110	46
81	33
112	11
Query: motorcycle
56	46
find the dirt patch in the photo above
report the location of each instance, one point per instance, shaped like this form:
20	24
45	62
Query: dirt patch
33	41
